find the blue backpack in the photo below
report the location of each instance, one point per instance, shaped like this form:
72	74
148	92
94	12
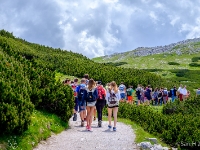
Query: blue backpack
121	87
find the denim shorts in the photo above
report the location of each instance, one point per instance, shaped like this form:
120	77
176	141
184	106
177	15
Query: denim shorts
122	95
81	105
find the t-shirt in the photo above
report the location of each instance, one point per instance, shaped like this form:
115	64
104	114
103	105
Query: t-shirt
198	92
184	91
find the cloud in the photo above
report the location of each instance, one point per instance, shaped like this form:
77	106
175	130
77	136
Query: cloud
95	28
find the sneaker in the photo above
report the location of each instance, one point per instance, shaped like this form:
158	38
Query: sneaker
89	128
94	118
99	123
109	126
114	128
82	123
75	117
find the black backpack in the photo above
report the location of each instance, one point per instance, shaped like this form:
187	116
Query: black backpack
90	96
137	92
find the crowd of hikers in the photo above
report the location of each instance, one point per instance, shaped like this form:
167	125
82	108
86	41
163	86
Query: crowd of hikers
90	98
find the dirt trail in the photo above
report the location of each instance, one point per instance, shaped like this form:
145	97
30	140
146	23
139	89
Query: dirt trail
78	138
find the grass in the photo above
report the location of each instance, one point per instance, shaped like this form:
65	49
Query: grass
62	77
43	124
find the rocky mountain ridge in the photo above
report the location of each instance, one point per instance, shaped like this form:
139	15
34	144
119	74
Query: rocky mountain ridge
145	51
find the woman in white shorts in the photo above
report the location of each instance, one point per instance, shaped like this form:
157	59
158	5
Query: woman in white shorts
90	95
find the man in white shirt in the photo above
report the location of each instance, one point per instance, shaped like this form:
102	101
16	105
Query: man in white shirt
180	91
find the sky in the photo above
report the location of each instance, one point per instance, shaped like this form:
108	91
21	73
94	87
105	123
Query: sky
101	27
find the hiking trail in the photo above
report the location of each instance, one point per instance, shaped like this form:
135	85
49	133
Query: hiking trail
100	138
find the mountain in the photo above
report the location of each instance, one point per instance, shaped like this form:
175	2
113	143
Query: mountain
157	57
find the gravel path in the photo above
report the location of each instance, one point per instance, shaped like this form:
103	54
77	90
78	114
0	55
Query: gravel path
78	138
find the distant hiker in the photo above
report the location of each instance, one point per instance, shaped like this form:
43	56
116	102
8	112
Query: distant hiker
86	76
198	92
184	92
129	93
113	98
100	101
172	93
160	96
67	82
148	94
165	95
142	95
180	92
81	102
138	93
74	86
155	96
90	95
122	89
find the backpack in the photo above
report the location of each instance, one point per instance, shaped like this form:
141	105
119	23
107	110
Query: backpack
165	93
101	93
128	91
138	92
159	94
112	100
90	96
121	87
171	93
80	92
146	93
74	89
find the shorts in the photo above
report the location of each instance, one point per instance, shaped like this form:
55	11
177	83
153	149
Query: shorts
148	97
122	95
130	98
91	104
82	106
76	104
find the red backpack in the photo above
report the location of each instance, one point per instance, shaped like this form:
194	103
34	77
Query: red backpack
101	93
74	89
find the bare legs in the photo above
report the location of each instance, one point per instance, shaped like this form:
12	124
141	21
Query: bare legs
115	110
90	110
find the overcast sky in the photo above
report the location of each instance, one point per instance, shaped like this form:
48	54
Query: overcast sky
100	27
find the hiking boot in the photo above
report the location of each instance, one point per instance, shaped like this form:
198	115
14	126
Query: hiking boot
82	123
75	117
99	123
114	129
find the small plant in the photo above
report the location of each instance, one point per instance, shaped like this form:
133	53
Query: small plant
173	63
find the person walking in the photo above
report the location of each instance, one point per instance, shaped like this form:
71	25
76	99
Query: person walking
90	95
113	97
100	101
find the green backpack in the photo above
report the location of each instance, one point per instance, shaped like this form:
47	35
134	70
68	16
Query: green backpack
128	91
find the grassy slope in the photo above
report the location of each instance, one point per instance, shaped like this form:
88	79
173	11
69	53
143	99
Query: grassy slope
42	125
157	61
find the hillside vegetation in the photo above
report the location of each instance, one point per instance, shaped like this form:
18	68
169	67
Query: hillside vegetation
176	62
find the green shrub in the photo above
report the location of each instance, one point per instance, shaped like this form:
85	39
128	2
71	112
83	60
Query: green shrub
173	129
173	63
15	108
194	65
195	59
